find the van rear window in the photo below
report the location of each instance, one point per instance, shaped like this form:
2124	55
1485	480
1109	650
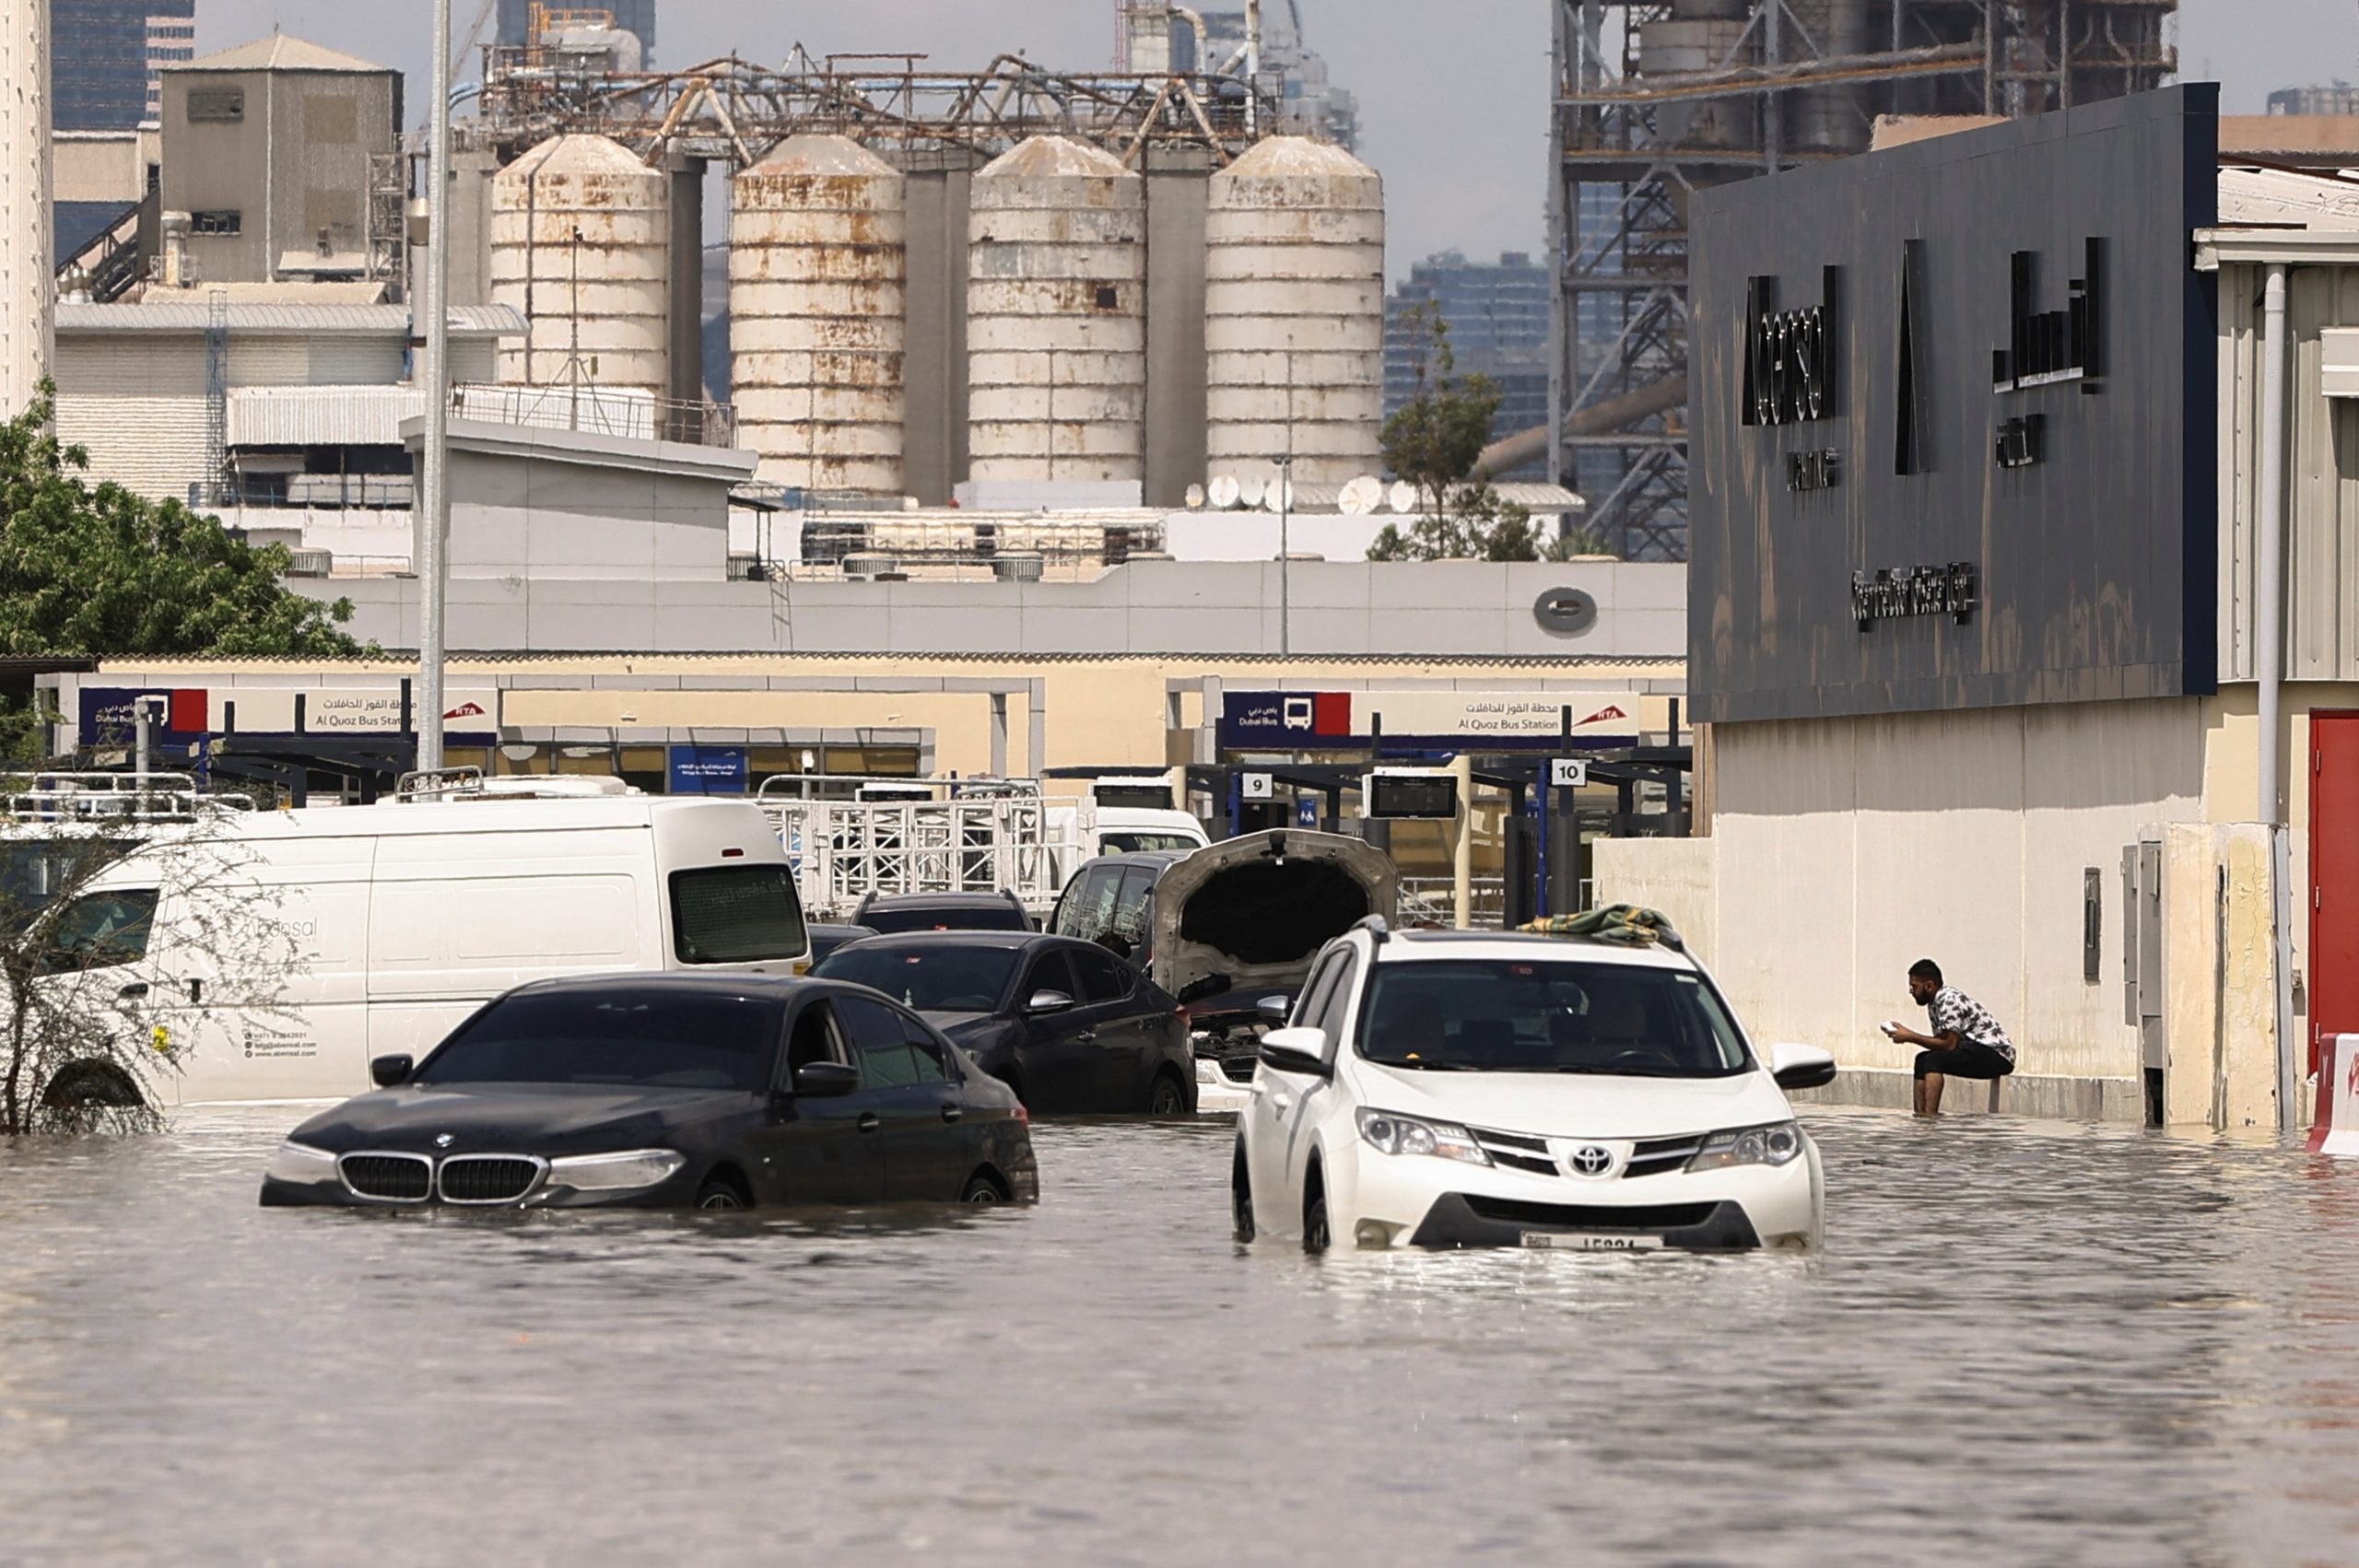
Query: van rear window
737	915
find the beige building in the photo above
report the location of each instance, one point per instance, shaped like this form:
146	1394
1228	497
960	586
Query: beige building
2097	872
28	289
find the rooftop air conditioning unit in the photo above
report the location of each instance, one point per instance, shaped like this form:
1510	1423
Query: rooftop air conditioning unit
310	563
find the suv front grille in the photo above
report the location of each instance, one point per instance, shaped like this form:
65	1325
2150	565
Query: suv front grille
488	1178
390	1179
1238	1069
1516	1150
1594	1216
1652	1156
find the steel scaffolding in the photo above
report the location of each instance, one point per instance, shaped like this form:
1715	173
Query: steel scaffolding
1656	99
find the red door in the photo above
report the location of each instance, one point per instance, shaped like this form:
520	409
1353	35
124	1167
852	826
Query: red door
2334	877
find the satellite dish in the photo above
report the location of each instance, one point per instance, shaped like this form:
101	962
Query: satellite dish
1279	497
1402	496
1361	496
1195	496
1222	492
1252	489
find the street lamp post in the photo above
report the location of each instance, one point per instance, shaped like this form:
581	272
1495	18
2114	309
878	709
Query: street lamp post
1285	519
434	522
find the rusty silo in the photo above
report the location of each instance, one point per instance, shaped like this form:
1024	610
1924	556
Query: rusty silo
1056	317
581	243
818	279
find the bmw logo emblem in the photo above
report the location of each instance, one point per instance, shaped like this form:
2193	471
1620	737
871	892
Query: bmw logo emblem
1590	1160
443	1140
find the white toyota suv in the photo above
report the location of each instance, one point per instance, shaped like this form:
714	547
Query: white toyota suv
1455	1089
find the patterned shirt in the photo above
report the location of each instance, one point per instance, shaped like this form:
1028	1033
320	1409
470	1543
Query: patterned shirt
1952	1009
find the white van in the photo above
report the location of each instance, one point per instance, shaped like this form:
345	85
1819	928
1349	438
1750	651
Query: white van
275	952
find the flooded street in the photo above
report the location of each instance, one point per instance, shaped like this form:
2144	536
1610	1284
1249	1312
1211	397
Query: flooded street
2024	1343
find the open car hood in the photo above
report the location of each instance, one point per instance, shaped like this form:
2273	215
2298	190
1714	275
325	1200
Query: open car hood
1256	909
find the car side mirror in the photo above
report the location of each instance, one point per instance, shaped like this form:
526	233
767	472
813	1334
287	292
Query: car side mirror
1801	1067
389	1072
1273	1011
825	1079
1301	1052
1045	1002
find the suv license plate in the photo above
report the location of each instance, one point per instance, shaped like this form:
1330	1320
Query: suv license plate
1576	1241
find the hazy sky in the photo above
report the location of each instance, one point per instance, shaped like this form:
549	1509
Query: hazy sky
1453	93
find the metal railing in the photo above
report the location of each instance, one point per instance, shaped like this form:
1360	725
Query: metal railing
603	411
1431	900
112	797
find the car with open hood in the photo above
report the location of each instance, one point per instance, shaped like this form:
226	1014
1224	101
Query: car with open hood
669	1091
1230	931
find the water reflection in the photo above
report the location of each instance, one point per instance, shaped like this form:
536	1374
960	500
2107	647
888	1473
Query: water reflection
2022	1344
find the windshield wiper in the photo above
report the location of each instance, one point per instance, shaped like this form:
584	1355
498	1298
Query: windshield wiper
1431	1066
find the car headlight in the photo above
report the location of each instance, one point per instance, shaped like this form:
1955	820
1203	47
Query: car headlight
301	1164
615	1172
1777	1143
1392	1134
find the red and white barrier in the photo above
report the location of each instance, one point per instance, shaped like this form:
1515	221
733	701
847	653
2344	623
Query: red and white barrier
2336	1131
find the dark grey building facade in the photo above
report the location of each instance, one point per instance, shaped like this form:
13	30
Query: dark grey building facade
99	58
1955	435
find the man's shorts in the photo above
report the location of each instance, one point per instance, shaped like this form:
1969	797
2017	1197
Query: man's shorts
1971	1059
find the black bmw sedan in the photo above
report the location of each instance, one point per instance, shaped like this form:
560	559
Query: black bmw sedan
675	1090
1068	1025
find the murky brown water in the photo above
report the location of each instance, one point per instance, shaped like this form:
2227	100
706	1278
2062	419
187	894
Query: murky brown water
2024	1344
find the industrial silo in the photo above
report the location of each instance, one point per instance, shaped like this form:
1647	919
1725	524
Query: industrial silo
818	282
1294	313
581	243
1056	316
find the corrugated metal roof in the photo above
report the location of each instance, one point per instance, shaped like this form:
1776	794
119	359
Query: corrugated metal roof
321	416
2280	197
466	321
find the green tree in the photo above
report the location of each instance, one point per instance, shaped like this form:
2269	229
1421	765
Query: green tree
99	571
1434	442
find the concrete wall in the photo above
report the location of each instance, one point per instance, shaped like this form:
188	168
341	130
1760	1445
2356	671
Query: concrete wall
935	352
1365	609
1845	849
1178	194
1675	875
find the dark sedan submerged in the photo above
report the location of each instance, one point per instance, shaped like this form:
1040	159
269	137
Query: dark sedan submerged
670	1091
1067	1024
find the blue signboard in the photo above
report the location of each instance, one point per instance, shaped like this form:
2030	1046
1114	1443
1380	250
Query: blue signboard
707	770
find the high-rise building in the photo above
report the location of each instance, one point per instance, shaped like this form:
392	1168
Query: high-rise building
2341	97
27	284
635	17
1497	318
105	55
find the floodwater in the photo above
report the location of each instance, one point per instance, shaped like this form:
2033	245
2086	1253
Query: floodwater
2025	1343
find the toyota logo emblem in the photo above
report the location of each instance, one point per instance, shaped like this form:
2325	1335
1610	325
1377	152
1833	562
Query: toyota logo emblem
1590	1160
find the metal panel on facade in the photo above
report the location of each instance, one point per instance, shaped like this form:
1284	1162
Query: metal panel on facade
1954	413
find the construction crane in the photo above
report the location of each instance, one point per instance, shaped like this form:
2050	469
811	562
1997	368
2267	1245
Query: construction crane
475	34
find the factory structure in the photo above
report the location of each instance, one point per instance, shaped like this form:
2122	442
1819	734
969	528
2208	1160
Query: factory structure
1142	283
1658	99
